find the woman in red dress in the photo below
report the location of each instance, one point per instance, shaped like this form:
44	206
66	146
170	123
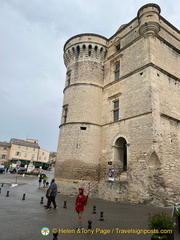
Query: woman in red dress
81	201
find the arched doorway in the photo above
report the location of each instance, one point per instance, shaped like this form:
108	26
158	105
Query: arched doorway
120	154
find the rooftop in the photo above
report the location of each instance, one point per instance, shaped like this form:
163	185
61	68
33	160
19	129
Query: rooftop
24	143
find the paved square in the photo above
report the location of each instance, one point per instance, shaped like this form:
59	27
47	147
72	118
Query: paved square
24	219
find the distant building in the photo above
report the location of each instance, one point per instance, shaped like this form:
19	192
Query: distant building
4	151
121	110
52	157
43	156
25	151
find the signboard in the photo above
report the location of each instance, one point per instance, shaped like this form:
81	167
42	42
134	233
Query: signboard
111	174
18	162
18	166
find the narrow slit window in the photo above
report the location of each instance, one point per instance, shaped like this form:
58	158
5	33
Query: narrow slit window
116	111
68	78
118	47
65	111
89	50
117	70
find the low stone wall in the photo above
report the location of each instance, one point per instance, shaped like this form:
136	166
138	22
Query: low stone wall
113	190
70	186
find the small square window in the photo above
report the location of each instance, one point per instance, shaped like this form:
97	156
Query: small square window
3	156
18	154
83	128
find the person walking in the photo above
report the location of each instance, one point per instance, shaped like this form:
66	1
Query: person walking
44	180
81	201
51	194
40	180
47	196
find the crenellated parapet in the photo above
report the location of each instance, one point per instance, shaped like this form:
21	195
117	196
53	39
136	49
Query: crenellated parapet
148	17
85	47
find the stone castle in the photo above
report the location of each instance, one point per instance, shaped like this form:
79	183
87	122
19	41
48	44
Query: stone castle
121	111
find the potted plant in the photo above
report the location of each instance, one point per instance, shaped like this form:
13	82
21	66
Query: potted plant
163	224
178	218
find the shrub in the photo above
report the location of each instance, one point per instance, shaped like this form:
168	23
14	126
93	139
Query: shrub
178	211
161	221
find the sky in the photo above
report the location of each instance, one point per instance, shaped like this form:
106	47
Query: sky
32	71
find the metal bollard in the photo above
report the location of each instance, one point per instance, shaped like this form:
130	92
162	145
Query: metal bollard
23	198
0	190
101	216
89	224
55	236
41	202
7	195
2	184
65	206
94	210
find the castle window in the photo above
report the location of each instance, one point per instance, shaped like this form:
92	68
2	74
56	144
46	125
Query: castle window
83	128
68	78
89	50
3	156
84	49
117	70
96	50
65	110
116	111
117	47
78	50
73	53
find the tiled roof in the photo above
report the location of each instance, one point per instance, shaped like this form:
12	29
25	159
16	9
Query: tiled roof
5	144
24	143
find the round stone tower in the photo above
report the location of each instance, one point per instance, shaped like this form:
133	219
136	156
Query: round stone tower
79	143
